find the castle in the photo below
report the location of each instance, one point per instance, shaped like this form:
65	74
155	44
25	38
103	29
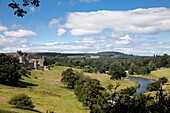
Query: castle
26	61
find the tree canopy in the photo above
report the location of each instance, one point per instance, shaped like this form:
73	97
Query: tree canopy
19	10
9	70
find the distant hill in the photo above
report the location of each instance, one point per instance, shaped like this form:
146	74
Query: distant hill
104	55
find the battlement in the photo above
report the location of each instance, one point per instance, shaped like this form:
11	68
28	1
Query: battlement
26	61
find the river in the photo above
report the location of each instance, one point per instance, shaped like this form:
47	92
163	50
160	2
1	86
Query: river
143	84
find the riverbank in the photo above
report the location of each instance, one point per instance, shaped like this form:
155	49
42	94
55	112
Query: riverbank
143	84
155	75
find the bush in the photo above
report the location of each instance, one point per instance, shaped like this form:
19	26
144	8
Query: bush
153	86
163	80
21	101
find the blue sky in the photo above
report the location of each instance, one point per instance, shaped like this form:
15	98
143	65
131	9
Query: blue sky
140	27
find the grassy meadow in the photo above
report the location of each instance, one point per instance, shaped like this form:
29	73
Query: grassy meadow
48	93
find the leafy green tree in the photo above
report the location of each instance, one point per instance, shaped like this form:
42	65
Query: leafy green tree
69	78
162	102
79	86
128	91
117	74
162	80
142	70
153	86
21	101
9	69
92	94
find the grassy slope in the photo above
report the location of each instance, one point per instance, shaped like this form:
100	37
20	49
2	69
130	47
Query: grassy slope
49	94
105	80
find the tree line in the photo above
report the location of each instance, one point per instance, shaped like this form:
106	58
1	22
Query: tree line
98	100
114	67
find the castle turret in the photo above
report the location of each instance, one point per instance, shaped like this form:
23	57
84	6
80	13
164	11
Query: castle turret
35	64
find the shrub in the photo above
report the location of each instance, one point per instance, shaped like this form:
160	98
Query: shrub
153	86
21	101
163	80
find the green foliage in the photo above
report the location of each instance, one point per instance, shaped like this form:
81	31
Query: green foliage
154	86
117	74
128	91
140	104
9	70
142	71
88	91
162	102
21	101
163	80
69	78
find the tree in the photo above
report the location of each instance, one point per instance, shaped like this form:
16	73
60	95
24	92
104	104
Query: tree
9	69
163	80
20	12
142	70
153	86
69	78
128	91
117	74
21	101
92	95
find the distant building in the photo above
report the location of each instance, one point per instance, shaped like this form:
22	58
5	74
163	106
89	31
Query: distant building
26	61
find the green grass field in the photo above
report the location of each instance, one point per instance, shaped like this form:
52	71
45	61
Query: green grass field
48	93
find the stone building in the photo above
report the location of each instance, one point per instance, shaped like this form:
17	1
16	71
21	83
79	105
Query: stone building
26	61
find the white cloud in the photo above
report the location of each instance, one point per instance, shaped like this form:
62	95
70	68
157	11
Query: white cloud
32	9
89	1
124	40
20	33
54	23
79	32
87	45
61	31
143	21
3	28
10	44
87	40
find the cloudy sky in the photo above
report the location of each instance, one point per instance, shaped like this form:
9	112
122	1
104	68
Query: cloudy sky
139	27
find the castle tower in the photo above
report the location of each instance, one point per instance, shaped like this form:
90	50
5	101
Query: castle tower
21	59
35	64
